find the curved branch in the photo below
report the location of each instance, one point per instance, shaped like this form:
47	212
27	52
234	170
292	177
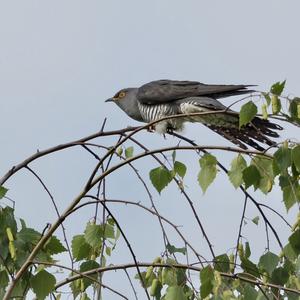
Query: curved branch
257	204
60	147
101	133
145	208
81	274
240	276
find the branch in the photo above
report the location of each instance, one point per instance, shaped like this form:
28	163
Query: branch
145	208
60	147
240	276
81	274
240	231
101	133
185	195
257	204
56	210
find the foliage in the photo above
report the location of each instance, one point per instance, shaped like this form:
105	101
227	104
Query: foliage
28	257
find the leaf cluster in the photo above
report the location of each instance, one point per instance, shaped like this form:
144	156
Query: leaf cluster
16	245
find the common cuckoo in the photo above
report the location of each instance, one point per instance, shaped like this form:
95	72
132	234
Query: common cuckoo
164	98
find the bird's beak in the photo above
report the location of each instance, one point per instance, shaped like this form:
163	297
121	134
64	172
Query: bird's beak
109	100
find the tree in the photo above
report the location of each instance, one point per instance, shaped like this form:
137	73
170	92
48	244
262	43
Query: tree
29	259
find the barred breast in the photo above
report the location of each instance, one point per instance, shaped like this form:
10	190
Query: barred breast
152	113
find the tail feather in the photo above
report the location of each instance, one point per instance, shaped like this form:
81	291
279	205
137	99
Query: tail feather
236	137
257	135
261	123
249	134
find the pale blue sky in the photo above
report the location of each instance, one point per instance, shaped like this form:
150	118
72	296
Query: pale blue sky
59	60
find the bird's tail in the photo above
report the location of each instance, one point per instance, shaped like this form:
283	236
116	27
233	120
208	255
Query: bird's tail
257	131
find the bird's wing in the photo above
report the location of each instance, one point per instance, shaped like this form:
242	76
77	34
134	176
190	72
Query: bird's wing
162	91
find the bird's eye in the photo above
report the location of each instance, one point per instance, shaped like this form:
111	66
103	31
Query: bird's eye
121	95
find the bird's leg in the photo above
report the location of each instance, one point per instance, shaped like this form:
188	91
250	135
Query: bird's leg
169	130
151	128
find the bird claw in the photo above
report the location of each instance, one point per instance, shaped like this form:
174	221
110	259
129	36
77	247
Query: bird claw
151	128
169	130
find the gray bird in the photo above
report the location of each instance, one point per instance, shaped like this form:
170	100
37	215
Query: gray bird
163	98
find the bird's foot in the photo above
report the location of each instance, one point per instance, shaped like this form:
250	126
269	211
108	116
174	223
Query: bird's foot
151	128
169	130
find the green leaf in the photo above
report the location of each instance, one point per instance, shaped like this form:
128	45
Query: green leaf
255	220
80	248
236	172
84	296
291	190
280	276
108	251
42	284
249	267
247	113
267	97
4	279
169	276
222	263
180	168
20	288
276	104
294	109
207	281
7	219
247	250
28	236
264	111
291	195
289	266
119	151
93	235
296	157
111	221
173	276
75	287
294	240
282	158
289	252
208	172
155	288
147	282
129	152
54	246
251	176
265	168
3	191
172	249
108	231
250	293
268	262
175	293
297	267
86	266
160	178
277	88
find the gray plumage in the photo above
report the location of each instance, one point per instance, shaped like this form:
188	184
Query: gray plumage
162	98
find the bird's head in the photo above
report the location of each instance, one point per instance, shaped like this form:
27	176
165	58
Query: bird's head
127	99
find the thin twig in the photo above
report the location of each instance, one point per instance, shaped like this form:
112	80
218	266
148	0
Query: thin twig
131	284
240	232
128	245
241	188
145	208
56	210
